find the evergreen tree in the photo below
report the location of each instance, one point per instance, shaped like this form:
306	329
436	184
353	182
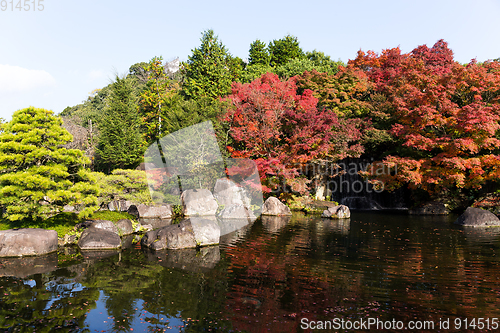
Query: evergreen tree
258	54
120	144
37	175
208	71
284	49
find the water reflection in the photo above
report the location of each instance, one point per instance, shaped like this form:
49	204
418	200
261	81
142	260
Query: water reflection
267	276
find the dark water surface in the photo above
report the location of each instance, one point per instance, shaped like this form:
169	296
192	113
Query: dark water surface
271	276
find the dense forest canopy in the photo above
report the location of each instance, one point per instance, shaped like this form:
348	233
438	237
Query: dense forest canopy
422	113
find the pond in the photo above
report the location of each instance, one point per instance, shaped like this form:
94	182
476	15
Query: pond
275	275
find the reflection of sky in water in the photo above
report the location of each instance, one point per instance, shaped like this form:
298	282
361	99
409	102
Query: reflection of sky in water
63	290
98	319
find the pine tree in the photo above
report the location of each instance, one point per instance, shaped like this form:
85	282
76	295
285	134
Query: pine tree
37	175
120	144
209	71
258	54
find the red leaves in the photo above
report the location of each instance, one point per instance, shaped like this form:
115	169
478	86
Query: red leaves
282	130
440	107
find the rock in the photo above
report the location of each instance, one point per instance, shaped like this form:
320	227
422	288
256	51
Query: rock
430	208
124	227
105	225
98	239
198	203
476	217
236	212
189	233
228	193
120	205
27	242
155	222
145	211
176	236
273	206
337	212
206	232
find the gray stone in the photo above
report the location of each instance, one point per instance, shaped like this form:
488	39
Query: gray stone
104	225
124	227
98	239
176	236
337	212
236	212
273	206
430	208
145	211
228	193
27	242
198	203
120	205
476	217
206	232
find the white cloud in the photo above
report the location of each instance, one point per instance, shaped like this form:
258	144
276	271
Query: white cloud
17	79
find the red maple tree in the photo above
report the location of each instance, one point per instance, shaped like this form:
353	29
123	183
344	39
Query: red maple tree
445	116
283	130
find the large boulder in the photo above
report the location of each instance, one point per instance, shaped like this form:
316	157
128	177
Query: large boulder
120	205
27	242
104	225
145	211
176	236
99	239
189	233
206	232
273	206
124	227
476	217
236	212
337	212
198	203
228	193
430	208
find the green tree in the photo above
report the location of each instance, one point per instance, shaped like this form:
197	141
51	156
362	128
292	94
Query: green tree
284	49
258	54
208	71
38	177
120	143
159	89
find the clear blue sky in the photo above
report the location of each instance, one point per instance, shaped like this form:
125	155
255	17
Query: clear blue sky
54	58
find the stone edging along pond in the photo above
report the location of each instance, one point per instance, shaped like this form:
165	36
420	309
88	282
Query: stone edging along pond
195	231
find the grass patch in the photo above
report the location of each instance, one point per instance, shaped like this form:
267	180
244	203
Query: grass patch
111	216
63	223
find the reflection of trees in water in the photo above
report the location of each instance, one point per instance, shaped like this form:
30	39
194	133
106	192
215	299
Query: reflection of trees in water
45	303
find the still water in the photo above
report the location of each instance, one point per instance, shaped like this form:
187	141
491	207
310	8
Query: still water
275	275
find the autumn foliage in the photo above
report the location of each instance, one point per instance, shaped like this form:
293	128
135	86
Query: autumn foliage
283	130
443	114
